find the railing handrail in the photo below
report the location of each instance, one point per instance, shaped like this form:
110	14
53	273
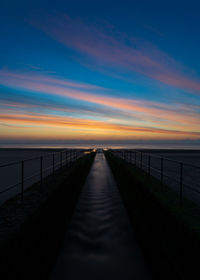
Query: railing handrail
125	154
38	157
160	157
70	156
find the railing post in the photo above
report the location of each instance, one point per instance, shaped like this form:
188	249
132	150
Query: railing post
66	158
41	169
60	160
135	158
141	161
161	170
181	182
149	165
22	180
53	164
70	157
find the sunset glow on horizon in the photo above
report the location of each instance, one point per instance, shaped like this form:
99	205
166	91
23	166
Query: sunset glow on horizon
86	75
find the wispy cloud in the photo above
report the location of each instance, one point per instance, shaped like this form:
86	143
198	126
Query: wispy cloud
118	51
132	108
107	116
7	76
88	125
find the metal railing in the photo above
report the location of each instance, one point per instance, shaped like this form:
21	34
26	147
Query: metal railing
19	175
182	177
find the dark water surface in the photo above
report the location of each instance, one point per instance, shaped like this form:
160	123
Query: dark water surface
100	243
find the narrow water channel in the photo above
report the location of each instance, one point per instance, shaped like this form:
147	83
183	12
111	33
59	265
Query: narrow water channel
100	242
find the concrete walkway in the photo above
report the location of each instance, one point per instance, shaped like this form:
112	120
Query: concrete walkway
100	243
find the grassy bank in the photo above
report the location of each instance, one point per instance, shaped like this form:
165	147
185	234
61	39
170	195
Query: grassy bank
32	232
168	233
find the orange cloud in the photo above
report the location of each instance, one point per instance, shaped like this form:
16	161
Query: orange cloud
134	108
78	126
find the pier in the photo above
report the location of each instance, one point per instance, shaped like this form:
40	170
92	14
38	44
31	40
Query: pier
100	242
98	214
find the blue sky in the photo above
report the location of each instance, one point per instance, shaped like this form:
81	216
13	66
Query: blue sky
99	70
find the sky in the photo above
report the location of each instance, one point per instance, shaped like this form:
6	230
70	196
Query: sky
99	71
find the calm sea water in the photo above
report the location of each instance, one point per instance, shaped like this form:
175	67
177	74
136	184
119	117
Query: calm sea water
193	146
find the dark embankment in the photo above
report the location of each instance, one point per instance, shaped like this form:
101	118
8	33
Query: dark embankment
32	230
168	233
